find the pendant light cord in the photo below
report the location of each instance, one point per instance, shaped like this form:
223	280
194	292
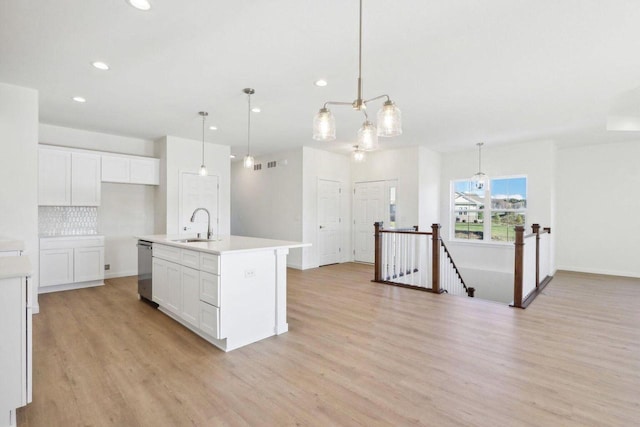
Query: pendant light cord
203	119
360	57
249	126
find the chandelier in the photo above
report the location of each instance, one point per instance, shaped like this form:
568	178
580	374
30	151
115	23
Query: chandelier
389	122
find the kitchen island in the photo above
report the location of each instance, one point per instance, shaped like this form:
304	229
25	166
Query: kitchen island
231	291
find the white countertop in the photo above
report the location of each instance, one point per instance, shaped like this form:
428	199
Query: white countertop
226	244
11	245
14	266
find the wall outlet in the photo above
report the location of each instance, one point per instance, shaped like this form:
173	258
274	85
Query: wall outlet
248	274
107	266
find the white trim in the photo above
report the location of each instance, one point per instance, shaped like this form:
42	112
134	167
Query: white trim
70	287
116	274
598	271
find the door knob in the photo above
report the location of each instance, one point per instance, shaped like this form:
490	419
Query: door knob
322	226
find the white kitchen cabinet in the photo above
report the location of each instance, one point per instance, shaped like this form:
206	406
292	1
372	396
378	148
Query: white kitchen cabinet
68	178
210	288
210	320
88	264
130	169
85	179
190	296
71	262
15	330
115	169
159	275
54	177
145	171
56	266
174	288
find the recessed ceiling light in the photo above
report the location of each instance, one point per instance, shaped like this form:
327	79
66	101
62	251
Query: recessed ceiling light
232	156
256	109
140	4
213	127
100	65
79	99
320	83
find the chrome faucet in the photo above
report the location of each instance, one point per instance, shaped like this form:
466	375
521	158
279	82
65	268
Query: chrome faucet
193	218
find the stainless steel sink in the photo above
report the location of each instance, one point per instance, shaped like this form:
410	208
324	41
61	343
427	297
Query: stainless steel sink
193	240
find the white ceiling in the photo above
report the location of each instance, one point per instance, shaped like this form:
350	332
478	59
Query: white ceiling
462	71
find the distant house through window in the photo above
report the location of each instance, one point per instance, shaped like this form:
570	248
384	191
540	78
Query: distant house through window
490	213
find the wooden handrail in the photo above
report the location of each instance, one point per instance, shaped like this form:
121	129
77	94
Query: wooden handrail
435	258
518	273
470	291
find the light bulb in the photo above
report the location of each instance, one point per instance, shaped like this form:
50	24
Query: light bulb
367	136
203	170
324	126
248	162
358	155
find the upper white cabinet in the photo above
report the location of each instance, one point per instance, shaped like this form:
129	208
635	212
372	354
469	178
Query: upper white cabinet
67	178
85	179
130	170
54	177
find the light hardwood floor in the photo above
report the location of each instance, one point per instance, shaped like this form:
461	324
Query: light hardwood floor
357	353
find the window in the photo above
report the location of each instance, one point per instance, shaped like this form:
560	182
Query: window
489	213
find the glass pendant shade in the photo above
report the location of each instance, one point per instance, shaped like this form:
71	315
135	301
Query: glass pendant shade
389	120
479	180
324	126
358	155
203	170
368	136
248	162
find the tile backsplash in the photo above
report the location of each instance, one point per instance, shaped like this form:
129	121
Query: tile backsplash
67	220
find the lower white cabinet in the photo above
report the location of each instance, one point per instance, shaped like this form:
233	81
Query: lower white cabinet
71	262
210	319
190	296
159	275
15	350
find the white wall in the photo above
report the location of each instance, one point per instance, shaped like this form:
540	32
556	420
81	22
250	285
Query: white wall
320	164
19	172
267	203
492	263
126	210
77	138
598	202
429	163
185	155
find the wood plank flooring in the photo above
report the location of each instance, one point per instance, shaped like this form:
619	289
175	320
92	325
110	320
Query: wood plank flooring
357	353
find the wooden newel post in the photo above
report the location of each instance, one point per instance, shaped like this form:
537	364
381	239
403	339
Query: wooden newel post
435	258
536	230
378	251
519	264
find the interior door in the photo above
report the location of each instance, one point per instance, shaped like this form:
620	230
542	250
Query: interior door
198	191
329	222
369	202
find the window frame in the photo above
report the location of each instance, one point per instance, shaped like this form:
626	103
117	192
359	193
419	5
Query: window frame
487	211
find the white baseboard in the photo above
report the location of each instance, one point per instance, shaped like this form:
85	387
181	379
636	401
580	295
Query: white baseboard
70	286
599	271
294	266
115	274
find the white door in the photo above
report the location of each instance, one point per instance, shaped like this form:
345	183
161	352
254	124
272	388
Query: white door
329	222
190	296
369	207
159	274
56	267
88	264
173	287
145	171
198	191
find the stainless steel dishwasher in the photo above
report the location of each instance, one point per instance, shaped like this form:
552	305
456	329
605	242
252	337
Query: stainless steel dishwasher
145	262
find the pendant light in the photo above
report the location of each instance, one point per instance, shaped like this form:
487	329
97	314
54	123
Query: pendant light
248	159
203	168
358	155
480	178
389	117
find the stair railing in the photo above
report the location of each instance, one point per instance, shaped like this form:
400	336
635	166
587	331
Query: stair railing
532	266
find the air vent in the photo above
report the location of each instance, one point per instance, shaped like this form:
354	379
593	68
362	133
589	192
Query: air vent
257	167
271	164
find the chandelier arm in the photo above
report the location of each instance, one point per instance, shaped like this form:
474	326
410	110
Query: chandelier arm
376	98
336	103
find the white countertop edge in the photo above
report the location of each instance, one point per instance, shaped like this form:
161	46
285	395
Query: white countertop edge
11	245
74	236
215	247
14	266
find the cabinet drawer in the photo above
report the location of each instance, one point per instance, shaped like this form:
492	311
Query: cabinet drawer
71	242
190	259
166	252
210	288
210	320
210	263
